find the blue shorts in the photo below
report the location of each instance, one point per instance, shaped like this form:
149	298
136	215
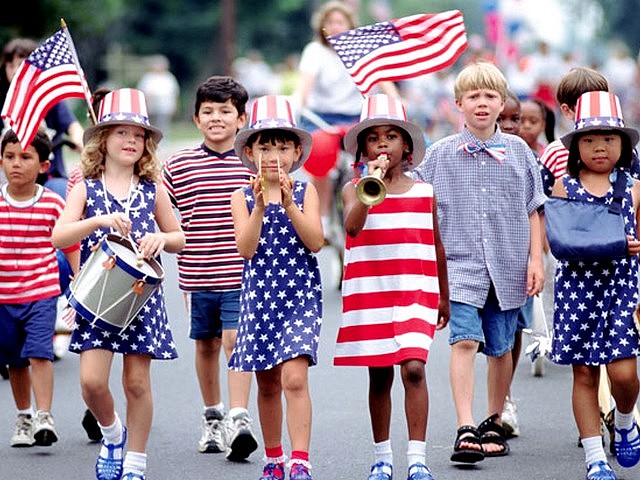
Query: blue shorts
212	312
493	328
525	317
26	331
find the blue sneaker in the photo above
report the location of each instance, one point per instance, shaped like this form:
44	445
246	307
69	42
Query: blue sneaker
273	471
133	476
381	471
600	470
299	472
628	452
419	471
110	467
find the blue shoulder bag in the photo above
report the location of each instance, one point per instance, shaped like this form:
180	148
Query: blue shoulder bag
590	231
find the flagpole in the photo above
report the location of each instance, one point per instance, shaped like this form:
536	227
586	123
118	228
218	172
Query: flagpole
76	61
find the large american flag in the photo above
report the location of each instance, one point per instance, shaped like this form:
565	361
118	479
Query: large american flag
51	73
399	49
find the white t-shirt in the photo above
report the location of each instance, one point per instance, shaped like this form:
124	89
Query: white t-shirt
333	90
161	92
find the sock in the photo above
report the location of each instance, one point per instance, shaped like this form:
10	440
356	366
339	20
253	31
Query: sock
237	411
112	434
382	452
416	452
218	408
29	411
274	455
625	421
593	449
135	462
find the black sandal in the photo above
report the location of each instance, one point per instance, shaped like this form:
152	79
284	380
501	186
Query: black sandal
491	432
467	434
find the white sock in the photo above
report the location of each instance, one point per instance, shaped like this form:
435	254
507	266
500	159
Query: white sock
28	411
593	449
233	412
218	406
416	452
135	462
112	433
625	421
382	451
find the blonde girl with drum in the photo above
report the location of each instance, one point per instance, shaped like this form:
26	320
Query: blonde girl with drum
121	194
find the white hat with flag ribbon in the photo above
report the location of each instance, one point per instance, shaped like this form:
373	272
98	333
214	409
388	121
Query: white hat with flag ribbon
599	111
381	109
124	106
272	112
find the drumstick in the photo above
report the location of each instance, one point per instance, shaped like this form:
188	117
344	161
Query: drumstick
261	176
139	256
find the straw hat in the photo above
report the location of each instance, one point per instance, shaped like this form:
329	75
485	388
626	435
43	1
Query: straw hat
381	109
268	113
125	106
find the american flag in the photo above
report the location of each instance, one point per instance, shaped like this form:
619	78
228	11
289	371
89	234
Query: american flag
399	49
51	73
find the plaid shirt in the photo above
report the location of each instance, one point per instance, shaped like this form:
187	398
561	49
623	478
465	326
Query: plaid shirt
483	215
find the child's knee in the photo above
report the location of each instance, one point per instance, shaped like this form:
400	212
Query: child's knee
413	373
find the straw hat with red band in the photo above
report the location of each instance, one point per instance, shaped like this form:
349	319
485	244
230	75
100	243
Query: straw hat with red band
381	109
272	112
125	106
599	111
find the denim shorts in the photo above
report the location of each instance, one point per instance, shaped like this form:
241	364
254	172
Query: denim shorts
212	312
493	328
26	331
525	317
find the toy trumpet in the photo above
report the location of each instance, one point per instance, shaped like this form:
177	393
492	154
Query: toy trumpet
370	189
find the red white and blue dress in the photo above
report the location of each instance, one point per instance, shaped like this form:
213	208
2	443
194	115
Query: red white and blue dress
390	290
148	333
281	295
595	302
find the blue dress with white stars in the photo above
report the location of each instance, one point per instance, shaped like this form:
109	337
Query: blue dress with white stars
148	333
595	301
281	294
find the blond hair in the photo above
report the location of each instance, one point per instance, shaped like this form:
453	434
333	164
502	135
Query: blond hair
319	18
94	152
480	75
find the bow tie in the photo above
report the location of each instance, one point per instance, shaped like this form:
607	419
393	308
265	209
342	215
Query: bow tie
496	150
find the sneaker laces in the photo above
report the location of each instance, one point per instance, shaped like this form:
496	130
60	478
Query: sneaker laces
23	424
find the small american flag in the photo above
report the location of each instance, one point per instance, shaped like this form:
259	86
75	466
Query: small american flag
50	74
399	49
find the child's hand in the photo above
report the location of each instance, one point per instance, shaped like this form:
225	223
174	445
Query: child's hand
117	221
444	312
151	245
258	193
286	189
633	245
382	162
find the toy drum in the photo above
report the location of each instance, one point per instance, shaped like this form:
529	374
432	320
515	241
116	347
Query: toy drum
113	285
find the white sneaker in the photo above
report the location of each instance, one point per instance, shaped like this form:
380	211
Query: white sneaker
23	435
239	437
537	367
212	439
44	429
510	418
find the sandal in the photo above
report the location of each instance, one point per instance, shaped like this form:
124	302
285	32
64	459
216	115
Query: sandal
628	452
132	476
491	432
600	470
467	434
110	467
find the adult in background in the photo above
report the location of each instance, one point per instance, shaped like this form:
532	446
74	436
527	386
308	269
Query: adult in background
161	90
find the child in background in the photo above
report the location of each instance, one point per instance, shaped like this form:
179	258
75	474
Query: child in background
489	190
510	117
595	302
278	230
200	182
29	285
533	123
120	193
395	291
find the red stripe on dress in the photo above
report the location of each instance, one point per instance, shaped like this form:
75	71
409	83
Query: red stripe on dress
392	267
381	331
388	237
403	298
384	360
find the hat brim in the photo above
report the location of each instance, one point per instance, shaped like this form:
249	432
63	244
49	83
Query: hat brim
154	132
241	141
632	133
415	132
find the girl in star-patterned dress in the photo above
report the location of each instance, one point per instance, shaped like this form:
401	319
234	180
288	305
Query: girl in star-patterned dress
121	194
277	227
595	301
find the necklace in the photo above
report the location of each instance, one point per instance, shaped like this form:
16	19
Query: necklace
17	232
127	203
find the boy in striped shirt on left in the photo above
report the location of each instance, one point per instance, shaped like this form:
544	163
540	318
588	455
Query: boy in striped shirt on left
29	285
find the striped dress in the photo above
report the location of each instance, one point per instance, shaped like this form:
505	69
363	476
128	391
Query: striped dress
390	287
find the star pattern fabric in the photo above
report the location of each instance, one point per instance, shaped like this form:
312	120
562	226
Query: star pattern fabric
281	295
148	333
595	301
